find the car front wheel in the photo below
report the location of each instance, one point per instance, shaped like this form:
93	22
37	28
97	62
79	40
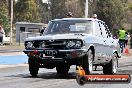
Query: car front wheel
88	62
33	67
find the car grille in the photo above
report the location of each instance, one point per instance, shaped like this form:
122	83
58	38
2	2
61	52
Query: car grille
54	44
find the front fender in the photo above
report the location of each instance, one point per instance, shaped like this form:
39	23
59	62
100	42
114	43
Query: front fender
118	52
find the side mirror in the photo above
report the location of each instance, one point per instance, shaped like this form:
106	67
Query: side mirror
114	37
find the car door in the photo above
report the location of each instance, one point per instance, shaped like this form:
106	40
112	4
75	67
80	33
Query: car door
114	45
108	42
99	42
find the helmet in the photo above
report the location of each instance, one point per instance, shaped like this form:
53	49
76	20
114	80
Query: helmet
69	14
95	16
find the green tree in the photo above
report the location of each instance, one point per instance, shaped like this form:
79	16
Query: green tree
26	10
110	11
44	11
74	6
57	8
130	7
4	19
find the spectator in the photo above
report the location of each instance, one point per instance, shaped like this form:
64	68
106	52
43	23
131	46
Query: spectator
121	35
42	31
1	35
69	15
126	40
130	41
95	16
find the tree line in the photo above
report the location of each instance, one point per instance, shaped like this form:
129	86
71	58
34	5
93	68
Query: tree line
115	13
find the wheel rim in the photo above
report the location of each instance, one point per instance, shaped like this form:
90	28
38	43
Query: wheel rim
90	61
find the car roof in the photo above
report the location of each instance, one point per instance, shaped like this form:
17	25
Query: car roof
92	19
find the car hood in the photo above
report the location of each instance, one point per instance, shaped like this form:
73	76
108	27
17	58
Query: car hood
57	36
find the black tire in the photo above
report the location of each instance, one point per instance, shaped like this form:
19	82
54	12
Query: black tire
111	67
81	80
62	69
88	62
33	67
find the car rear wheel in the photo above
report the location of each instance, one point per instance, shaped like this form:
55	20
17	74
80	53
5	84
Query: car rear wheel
111	67
62	69
33	67
88	62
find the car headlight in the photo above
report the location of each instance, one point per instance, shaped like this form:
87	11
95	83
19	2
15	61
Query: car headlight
29	45
42	45
70	44
78	44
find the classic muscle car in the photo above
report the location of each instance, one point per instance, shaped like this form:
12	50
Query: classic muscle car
85	42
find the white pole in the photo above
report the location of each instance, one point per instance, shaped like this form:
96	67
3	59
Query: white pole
86	9
11	21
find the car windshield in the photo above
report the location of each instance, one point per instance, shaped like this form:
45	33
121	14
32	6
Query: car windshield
69	26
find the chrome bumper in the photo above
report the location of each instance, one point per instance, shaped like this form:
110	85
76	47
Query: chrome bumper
59	51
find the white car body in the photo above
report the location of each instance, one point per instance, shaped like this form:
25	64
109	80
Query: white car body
99	39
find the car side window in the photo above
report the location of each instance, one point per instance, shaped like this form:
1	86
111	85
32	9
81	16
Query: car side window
98	31
104	32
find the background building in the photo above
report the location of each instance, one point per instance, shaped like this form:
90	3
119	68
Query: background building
26	29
